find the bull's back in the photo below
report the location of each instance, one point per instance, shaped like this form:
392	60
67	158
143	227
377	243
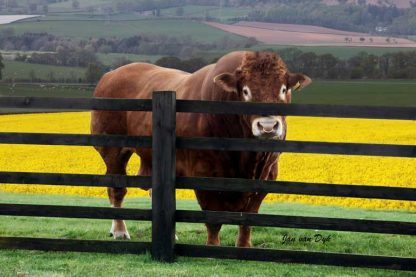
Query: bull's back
133	81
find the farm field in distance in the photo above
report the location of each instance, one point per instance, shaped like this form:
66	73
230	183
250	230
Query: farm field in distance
120	29
275	33
22	70
110	58
343	52
50	263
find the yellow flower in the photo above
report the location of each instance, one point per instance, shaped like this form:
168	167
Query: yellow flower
315	168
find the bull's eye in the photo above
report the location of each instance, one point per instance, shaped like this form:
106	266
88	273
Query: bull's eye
283	90
247	93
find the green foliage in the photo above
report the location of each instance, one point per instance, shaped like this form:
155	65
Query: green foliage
190	65
93	73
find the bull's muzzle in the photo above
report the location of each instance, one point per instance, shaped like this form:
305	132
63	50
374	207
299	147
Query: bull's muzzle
268	127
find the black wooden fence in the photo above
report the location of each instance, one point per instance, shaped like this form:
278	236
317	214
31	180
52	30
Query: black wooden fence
164	214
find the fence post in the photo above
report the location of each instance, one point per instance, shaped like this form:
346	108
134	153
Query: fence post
163	175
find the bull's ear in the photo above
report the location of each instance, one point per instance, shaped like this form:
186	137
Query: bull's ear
226	81
298	81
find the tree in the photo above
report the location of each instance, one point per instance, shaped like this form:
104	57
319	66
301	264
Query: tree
93	73
32	76
1	66
75	4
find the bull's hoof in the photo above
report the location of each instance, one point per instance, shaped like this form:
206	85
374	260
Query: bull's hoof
121	235
243	244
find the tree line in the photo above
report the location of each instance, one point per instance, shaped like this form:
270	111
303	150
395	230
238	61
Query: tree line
183	46
398	65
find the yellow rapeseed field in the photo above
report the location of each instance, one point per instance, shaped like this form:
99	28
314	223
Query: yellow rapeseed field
292	167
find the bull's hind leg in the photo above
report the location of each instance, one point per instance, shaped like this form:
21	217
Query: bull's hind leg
116	160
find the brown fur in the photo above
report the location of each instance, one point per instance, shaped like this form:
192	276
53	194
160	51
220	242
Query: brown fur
263	72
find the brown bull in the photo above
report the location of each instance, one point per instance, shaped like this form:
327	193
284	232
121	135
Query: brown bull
238	76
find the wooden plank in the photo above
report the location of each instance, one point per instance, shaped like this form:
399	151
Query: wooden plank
342	111
284	187
296	256
90	180
74	212
119	247
257	145
163	176
284	221
111	104
75	139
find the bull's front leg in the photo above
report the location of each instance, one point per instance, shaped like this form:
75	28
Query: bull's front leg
244	236
213	234
118	227
244	233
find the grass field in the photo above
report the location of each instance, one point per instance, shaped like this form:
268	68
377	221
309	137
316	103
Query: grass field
42	90
366	92
76	29
66	6
370	92
33	263
221	13
21	71
110	58
343	52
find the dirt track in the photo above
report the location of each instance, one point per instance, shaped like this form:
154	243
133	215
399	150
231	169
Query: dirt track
291	34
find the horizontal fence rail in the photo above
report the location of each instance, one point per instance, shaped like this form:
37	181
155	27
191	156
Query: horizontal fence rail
76	140
221	144
164	214
110	104
90	180
285	187
256	145
74	212
230	107
303	222
293	256
252	108
99	246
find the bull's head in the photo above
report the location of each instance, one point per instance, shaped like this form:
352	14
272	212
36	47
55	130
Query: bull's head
263	77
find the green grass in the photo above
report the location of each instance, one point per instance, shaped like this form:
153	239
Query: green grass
45	90
21	71
343	52
110	58
66	6
76	29
41	90
222	14
374	93
34	263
